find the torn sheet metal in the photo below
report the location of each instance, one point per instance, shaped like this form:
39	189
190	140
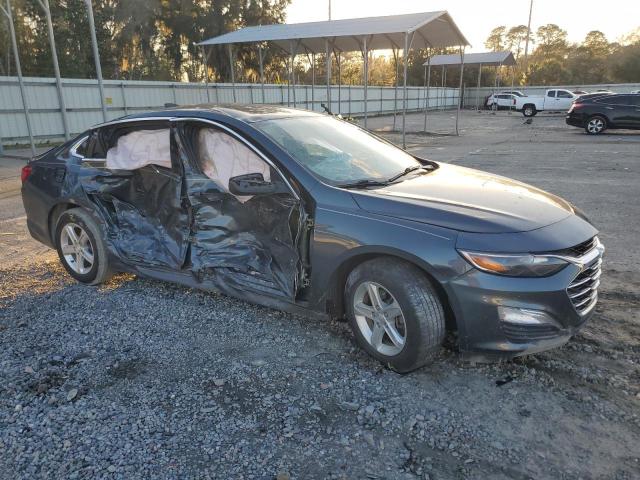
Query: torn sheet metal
239	243
189	224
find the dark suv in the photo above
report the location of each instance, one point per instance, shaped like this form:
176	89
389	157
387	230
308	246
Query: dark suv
598	113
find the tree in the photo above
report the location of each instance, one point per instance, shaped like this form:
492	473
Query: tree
495	40
515	39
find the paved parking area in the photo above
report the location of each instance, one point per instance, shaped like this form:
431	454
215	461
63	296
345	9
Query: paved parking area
139	378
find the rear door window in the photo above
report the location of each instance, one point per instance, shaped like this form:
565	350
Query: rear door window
616	100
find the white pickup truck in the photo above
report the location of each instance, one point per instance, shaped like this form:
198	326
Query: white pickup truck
555	100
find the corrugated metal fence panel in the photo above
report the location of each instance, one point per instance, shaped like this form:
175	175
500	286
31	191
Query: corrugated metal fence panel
127	97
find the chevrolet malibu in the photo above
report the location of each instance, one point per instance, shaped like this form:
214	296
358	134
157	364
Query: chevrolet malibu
304	212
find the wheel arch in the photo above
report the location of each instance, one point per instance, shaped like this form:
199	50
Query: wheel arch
54	214
338	279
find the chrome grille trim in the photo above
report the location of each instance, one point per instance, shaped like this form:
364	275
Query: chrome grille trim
583	289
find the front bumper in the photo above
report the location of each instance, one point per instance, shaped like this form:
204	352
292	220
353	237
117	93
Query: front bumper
479	301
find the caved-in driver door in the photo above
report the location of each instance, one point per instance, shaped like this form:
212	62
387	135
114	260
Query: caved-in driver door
246	219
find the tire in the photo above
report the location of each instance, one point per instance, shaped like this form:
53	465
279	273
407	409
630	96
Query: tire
84	258
529	110
595	125
421	318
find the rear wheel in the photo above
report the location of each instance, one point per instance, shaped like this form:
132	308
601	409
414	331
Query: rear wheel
80	247
529	110
395	313
596	125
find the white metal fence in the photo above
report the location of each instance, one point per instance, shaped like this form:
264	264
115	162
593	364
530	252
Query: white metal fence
83	106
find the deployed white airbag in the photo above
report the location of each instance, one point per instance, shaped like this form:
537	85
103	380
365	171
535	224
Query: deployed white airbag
140	148
223	157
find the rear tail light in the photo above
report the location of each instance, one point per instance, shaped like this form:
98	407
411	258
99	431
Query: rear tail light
25	173
575	106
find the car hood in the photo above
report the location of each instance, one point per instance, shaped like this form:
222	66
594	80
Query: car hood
466	200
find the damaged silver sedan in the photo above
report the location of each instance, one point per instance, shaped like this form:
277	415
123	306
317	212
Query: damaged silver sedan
304	212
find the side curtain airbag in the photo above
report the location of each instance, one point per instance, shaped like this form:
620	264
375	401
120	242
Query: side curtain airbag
141	148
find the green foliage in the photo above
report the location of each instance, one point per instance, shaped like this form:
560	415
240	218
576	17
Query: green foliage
555	61
141	39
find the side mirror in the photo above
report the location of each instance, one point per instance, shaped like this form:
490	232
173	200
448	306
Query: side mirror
251	184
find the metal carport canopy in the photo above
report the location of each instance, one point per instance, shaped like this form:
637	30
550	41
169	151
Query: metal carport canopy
484	59
487	59
432	29
414	30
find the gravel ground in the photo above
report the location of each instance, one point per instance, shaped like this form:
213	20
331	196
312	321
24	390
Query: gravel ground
138	378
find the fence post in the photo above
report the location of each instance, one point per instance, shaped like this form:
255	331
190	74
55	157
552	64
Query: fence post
124	99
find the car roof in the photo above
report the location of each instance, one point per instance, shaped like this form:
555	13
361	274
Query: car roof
247	113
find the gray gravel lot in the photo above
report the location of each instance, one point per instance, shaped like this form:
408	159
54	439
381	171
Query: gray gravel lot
138	378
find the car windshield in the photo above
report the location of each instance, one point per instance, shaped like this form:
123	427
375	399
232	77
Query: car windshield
336	151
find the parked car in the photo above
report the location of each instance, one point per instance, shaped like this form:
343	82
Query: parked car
304	212
598	114
517	93
635	91
501	100
555	100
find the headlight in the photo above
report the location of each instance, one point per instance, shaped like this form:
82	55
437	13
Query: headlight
525	265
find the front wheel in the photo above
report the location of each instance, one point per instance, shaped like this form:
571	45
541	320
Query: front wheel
529	111
395	313
80	247
596	125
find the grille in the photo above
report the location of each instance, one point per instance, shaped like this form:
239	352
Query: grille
583	290
579	249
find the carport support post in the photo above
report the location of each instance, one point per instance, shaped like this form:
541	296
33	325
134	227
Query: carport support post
478	88
460	89
206	72
23	94
426	103
365	52
404	88
328	59
56	68
408	41
293	48
96	58
337	54
395	89
261	61
233	74
513	74
313	81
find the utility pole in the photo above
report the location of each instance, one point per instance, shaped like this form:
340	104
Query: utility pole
329	9
526	44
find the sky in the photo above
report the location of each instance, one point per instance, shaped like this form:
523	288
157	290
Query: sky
477	18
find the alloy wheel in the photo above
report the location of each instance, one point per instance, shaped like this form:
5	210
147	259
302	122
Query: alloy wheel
380	318
76	248
595	125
